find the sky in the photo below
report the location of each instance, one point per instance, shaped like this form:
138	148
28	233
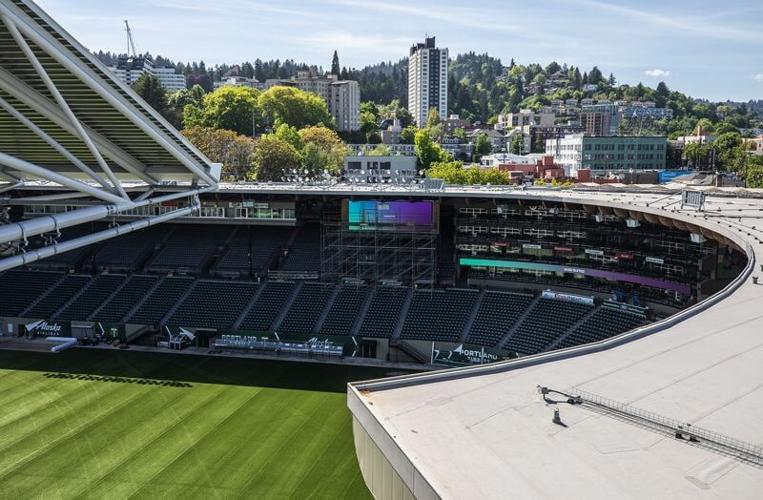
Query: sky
711	50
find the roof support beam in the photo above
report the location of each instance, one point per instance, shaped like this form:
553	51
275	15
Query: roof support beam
17	231
68	61
39	104
44	173
52	142
59	248
51	86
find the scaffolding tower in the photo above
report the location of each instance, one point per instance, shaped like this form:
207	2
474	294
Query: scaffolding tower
407	255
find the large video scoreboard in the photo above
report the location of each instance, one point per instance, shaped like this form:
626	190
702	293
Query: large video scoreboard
375	215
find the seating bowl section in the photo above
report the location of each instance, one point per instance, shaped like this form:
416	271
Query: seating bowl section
383	312
264	241
19	288
267	306
497	314
609	320
85	304
304	252
213	304
60	295
125	299
162	299
306	309
341	318
439	315
547	321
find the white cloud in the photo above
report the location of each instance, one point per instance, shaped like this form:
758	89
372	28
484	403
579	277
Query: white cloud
657	73
759	77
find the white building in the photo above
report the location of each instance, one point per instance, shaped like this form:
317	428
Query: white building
169	79
238	81
508	121
130	69
427	81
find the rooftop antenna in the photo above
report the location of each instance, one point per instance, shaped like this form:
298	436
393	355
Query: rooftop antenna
130	42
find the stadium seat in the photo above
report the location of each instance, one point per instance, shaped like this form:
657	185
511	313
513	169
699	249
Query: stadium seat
60	295
125	299
344	311
304	253
161	300
383	312
213	304
548	320
497	313
267	306
20	288
189	247
438	315
609	320
93	296
306	309
265	242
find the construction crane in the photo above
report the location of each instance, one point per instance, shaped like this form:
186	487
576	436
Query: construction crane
130	42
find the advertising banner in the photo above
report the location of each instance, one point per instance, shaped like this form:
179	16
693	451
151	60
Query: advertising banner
464	355
44	328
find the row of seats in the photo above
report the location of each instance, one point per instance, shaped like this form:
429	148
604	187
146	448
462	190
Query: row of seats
438	314
547	321
288	307
497	313
264	243
609	320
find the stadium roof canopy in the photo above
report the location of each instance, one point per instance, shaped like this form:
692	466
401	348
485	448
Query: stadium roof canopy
65	118
670	410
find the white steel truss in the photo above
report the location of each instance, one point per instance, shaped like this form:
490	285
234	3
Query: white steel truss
66	119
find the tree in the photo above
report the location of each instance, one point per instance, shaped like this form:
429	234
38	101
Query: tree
460	134
274	159
178	100
517	146
482	145
328	142
395	110
368	124
595	76
229	107
379	150
611	80
335	68
289	134
454	172
233	150
433	118
150	89
427	151
754	172
294	107
728	150
408	135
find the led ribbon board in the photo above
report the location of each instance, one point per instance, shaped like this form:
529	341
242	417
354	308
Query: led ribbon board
585	271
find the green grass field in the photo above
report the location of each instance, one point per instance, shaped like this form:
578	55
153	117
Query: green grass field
116	424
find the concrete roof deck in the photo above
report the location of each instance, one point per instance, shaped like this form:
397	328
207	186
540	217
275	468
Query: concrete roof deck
491	435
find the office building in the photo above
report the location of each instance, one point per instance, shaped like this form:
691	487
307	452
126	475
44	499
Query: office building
427	81
607	154
129	69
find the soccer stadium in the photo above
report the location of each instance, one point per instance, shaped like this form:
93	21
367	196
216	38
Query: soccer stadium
163	333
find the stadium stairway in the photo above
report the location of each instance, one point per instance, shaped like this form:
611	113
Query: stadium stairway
557	341
401	318
472	316
178	303
73	298
363	311
111	296
286	306
132	292
248	307
143	299
519	321
326	310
